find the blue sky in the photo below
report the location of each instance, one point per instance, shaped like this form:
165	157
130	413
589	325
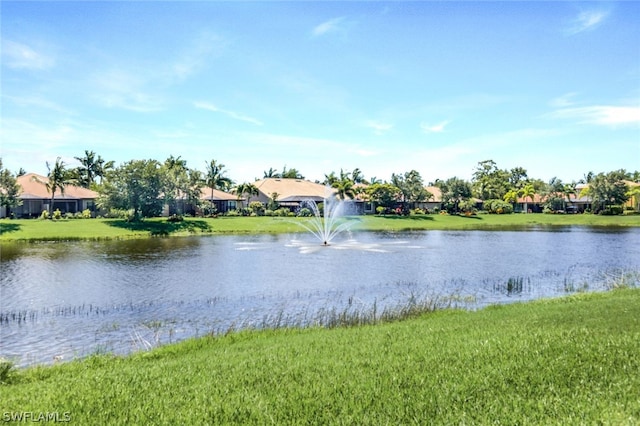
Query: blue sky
387	87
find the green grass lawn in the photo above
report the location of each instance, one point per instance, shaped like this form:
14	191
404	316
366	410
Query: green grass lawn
36	229
574	360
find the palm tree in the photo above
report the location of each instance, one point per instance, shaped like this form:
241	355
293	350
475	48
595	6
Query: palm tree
246	188
569	189
92	167
271	173
57	179
330	179
528	191
357	176
344	186
215	177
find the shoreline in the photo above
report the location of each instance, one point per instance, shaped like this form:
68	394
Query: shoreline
37	230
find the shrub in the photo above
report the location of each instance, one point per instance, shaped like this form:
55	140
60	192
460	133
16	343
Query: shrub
256	208
418	211
175	218
612	211
380	210
305	212
467	207
233	213
498	207
86	214
44	214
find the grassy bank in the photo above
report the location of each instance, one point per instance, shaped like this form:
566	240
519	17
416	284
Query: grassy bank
35	229
574	360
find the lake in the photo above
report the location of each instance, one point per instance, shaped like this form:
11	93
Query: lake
63	300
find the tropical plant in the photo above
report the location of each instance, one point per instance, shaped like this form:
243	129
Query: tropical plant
91	168
176	181
553	193
57	179
454	190
511	197
385	195
411	187
344	186
136	185
215	177
290	173
271	173
490	182
498	207
9	188
569	189
273	204
246	188
528	191
358	177
607	190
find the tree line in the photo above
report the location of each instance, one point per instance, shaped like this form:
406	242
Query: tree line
145	186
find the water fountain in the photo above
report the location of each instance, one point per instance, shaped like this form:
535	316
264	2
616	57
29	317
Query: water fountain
326	225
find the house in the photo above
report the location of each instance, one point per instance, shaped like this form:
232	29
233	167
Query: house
291	193
223	201
435	202
36	198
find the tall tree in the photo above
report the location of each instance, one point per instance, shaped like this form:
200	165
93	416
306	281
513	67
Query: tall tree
57	179
177	182
91	167
215	177
136	185
607	190
9	189
490	182
330	179
518	178
358	177
454	190
344	186
271	173
528	191
411	187
290	173
569	189
553	194
246	188
383	194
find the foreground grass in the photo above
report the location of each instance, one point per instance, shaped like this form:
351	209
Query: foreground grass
574	360
35	229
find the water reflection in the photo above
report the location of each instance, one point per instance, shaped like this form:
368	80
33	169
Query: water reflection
76	298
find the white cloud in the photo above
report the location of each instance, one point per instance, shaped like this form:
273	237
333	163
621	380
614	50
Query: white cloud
587	21
604	115
333	25
434	128
194	58
37	102
20	56
232	114
121	89
563	101
378	127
